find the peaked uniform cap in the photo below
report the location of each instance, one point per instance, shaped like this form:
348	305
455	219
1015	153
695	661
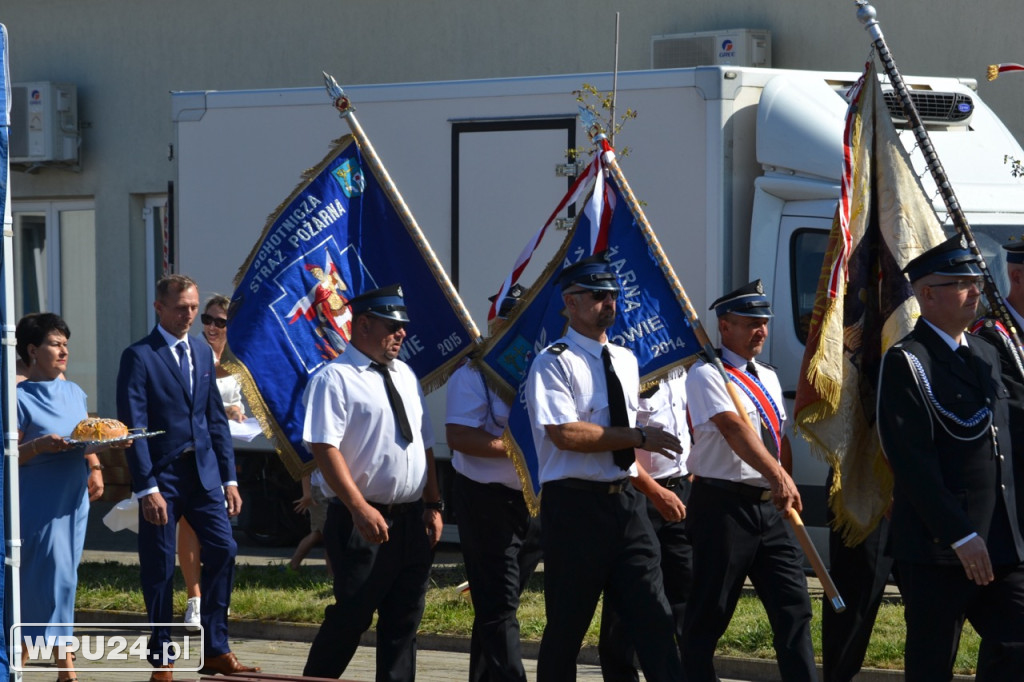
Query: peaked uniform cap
386	302
508	303
1014	251
593	272
749	301
951	258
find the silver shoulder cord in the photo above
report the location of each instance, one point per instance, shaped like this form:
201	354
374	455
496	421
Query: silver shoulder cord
924	386
1013	354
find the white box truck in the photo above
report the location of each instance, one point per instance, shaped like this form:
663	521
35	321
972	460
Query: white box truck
738	169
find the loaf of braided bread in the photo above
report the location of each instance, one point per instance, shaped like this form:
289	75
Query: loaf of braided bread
97	428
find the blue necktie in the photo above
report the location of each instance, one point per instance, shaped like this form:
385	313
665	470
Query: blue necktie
182	349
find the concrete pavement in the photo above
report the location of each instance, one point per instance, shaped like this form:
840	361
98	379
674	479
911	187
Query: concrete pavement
289	657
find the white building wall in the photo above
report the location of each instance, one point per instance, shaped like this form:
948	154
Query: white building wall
126	55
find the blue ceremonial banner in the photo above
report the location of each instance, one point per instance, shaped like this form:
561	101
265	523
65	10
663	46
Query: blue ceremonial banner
339	234
651	321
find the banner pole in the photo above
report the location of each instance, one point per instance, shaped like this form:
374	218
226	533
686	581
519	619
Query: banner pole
709	355
868	17
346	111
612	164
9	484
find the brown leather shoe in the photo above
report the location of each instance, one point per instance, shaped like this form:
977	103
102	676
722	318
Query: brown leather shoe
225	664
162	674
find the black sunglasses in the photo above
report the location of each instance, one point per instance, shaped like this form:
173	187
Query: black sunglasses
393	326
599	294
218	322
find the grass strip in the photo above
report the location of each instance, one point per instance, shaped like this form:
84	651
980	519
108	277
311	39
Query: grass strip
272	593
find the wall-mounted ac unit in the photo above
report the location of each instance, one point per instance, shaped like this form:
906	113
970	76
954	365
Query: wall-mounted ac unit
44	123
732	47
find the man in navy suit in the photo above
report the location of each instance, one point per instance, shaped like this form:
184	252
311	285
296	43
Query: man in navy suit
167	383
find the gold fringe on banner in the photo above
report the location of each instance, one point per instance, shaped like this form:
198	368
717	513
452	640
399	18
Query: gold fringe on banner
516	455
271	429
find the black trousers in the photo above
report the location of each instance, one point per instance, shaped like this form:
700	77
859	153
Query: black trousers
936	601
860	574
615	648
501	547
390	579
596	541
734	538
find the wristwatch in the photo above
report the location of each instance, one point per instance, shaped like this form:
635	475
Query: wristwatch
439	505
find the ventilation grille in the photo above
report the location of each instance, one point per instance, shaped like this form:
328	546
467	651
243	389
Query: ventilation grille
933	107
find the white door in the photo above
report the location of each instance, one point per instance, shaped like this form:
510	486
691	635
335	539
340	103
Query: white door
505	187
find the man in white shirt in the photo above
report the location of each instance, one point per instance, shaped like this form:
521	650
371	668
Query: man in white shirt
582	395
167	383
665	483
500	540
943	421
741	496
371	438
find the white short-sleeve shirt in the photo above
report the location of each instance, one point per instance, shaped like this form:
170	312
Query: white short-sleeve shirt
666	408
569	386
471	403
347	407
706	393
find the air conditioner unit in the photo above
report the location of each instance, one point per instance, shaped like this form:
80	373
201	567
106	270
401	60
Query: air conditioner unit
44	123
732	47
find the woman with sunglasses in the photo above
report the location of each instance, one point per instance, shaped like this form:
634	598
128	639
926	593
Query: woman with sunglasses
215	331
215	324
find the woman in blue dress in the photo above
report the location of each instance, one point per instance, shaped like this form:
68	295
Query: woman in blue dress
57	481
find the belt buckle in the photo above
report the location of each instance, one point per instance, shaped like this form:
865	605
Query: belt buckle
766	495
616	488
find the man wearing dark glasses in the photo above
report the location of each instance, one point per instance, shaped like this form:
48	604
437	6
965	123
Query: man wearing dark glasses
582	395
370	435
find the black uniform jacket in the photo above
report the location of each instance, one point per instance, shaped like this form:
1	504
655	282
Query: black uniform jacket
1013	378
949	476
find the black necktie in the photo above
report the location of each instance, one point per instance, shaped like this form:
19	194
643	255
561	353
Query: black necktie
182	349
625	457
766	435
966	355
397	406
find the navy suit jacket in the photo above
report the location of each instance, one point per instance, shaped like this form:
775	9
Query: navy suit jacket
152	394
